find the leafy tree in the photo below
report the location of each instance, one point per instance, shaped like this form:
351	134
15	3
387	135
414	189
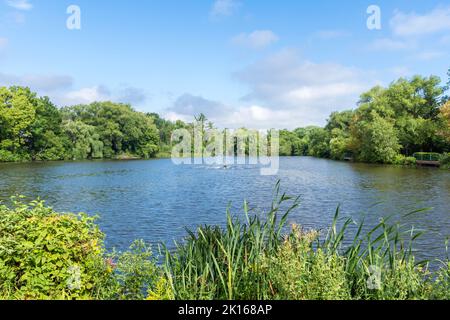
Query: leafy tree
444	130
47	142
120	129
340	120
84	140
418	97
339	144
319	143
17	114
375	140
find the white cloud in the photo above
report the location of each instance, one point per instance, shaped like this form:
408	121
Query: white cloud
295	92
20	4
192	105
173	116
284	80
257	117
413	24
252	117
131	95
121	94
85	95
285	91
224	8
386	44
256	40
60	89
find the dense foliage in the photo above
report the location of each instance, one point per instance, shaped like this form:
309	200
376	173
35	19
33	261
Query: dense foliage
32	128
47	255
389	126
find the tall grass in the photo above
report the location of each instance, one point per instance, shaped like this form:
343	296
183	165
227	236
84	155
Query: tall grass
379	263
228	263
251	259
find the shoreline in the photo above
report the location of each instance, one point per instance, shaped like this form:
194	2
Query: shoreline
135	158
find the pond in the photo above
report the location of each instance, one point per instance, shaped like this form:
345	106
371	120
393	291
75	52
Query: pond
155	200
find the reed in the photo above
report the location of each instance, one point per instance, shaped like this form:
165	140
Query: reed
251	258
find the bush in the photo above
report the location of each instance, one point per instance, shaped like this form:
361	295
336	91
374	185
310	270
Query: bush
442	288
8	156
402	160
135	273
297	272
445	161
45	255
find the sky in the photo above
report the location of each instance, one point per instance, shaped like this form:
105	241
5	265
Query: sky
259	64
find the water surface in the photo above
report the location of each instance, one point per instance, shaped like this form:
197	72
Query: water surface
155	200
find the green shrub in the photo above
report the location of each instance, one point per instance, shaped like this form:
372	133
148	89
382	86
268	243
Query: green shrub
8	156
254	261
445	161
45	255
135	273
380	264
442	286
298	272
404	161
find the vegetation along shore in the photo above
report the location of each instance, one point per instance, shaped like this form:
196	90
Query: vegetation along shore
390	125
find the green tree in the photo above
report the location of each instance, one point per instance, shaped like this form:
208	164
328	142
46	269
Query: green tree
47	141
375	140
319	143
17	114
120	129
340	120
84	140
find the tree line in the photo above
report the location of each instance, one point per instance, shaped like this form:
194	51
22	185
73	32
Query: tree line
389	125
33	128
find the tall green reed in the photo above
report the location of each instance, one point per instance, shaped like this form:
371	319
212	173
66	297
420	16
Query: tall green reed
227	263
250	257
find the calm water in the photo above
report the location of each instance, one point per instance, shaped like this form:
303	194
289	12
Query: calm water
155	200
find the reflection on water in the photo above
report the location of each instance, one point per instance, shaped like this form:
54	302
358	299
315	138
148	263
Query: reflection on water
155	200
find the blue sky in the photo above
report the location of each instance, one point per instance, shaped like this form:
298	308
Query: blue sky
256	63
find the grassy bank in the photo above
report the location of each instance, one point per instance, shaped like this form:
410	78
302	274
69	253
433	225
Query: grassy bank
48	255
